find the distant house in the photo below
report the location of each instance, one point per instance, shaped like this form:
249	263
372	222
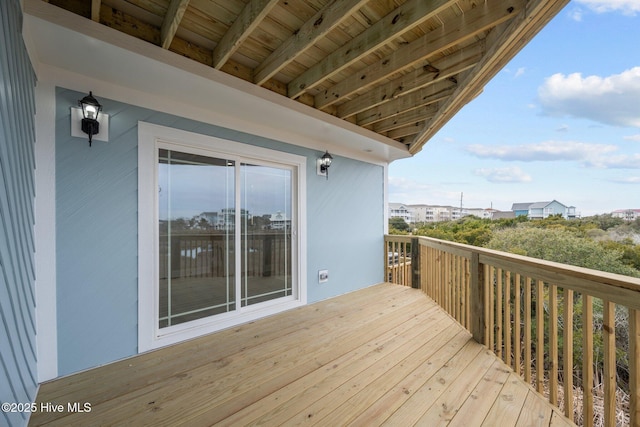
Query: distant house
398	210
541	210
626	214
279	221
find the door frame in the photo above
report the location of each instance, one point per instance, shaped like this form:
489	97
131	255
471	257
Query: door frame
150	336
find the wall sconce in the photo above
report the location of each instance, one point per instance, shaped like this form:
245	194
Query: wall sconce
91	109
90	117
323	164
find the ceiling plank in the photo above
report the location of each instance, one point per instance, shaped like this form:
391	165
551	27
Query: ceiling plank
411	117
428	95
506	45
248	20
171	21
311	31
401	20
474	22
405	131
95	10
431	73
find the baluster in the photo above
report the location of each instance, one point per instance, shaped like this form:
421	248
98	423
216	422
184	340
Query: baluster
517	354
634	367
507	318
489	283
527	330
540	337
499	312
609	338
553	344
568	353
587	357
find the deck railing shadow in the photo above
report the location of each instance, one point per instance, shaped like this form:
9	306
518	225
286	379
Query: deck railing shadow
586	361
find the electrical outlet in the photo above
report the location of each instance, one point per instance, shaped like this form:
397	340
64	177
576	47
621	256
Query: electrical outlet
323	276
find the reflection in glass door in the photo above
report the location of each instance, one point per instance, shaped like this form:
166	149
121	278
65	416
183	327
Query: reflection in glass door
201	200
196	213
265	215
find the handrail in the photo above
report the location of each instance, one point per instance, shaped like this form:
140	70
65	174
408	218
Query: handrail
504	299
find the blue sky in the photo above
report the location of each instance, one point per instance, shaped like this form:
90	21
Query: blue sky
561	121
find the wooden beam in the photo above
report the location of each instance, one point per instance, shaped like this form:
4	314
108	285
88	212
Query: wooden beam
95	10
401	20
408	118
507	44
171	21
431	73
311	31
474	22
426	96
405	131
250	17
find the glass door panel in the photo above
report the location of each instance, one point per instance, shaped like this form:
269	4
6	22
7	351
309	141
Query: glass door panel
196	207
265	215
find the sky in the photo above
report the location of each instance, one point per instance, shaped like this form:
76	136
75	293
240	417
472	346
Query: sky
560	122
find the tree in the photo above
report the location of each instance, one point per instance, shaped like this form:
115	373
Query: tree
560	246
397	223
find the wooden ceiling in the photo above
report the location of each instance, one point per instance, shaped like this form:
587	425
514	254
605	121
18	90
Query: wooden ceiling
399	68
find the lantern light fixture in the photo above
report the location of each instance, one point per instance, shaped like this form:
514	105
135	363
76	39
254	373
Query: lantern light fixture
324	163
91	109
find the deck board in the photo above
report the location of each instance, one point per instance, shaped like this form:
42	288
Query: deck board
383	355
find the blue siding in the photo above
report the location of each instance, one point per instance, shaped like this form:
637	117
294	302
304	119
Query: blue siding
18	376
96	243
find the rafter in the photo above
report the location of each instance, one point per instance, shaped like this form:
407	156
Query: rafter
429	95
95	10
506	44
405	131
171	21
311	31
474	21
429	74
401	20
411	117
250	17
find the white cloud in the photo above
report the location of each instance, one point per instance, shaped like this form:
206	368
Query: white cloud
611	100
503	175
519	72
622	161
576	14
542	151
628	180
635	137
627	7
599	156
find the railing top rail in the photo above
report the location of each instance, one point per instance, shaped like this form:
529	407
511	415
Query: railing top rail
566	274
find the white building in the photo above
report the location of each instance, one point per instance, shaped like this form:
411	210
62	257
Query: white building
399	210
626	214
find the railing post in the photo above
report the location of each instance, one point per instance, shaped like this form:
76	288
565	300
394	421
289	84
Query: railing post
476	299
415	263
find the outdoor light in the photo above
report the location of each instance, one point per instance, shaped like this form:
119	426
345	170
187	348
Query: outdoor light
323	164
90	111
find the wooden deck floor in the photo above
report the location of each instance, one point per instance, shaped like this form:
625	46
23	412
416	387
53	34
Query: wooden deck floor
386	355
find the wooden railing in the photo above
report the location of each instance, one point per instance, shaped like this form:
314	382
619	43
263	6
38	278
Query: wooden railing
586	361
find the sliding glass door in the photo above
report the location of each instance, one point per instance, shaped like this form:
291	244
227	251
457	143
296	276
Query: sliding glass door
266	233
201	201
196	198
